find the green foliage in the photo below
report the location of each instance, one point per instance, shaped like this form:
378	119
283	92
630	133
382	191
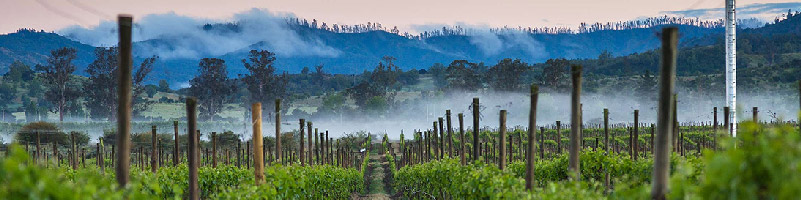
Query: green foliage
295	182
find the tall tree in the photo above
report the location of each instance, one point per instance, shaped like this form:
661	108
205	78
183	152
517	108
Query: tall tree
463	75
262	82
57	76
554	75
211	87
101	87
7	93
380	81
505	76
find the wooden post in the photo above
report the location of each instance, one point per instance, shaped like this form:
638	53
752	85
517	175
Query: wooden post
55	152
636	140
450	133
542	143
558	137
74	156
125	23
302	123
726	123
665	111
311	144
192	154
83	157
322	150
462	158
317	148
652	138
715	118
606	130
214	149
176	149
754	111
532	135
38	147
278	149
441	144
258	156
154	165
502	141
575	123
476	114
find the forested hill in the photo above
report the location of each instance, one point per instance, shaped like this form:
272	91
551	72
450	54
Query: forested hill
356	52
630	50
775	44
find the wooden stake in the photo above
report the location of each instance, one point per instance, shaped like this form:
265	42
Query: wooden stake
125	23
726	123
665	124
635	142
532	135
575	123
606	130
462	140
441	144
192	154
311	144
502	138
476	114
258	158
176	149
450	133
300	148
278	149
154	165
754	111
558	137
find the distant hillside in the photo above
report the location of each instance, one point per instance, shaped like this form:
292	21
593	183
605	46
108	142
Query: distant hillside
632	49
32	47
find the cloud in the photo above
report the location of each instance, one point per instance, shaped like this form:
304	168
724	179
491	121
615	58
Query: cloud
175	36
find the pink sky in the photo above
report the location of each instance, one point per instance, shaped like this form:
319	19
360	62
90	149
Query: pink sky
52	15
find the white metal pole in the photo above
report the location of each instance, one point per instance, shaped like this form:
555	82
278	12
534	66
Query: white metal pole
731	64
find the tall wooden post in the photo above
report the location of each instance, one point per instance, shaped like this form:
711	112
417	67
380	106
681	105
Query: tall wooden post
532	135
755	111
476	114
450	133
278	149
575	123
74	156
38	147
192	154
322	150
715	118
636	140
302	123
258	156
176	149
665	124
462	140
154	165
55	153
502	141
726	123
311	144
542	143
317	149
441	137
558	137
606	130
214	149
125	22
